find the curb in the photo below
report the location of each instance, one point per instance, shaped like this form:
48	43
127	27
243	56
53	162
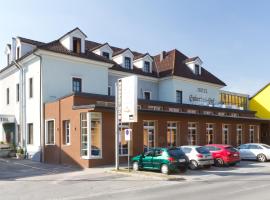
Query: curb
148	175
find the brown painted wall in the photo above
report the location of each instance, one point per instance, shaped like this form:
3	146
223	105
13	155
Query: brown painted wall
70	154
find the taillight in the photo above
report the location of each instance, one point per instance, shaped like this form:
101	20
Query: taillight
199	155
229	153
171	159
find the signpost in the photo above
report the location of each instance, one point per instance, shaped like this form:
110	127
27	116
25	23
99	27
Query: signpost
128	133
126	105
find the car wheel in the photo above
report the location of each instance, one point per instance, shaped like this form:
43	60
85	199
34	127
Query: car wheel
261	158
193	164
136	166
219	162
164	169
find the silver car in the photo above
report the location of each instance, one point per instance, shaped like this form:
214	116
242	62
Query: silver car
255	151
198	156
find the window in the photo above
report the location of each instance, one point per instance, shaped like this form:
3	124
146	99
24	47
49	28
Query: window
84	135
171	134
251	133
225	134
50	132
127	63
209	133
8	58
19	134
18	53
106	55
179	96
197	69
30	135
76	85
17	92
95	134
192	133
76	45
30	87
123	144
148	135
146	67
239	132
146	95
109	90
7	94
66	129
91	145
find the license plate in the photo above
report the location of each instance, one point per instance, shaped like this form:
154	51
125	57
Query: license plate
235	155
182	160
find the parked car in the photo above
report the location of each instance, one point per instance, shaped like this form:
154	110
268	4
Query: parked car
163	159
255	151
224	154
198	156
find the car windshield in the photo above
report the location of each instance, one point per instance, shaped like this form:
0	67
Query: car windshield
176	152
231	149
202	150
265	146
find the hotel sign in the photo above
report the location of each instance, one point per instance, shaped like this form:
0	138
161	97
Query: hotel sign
195	99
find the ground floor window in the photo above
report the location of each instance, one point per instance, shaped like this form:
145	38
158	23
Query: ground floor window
66	131
225	134
209	133
123	144
251	133
171	134
148	135
239	133
30	139
50	136
192	133
91	144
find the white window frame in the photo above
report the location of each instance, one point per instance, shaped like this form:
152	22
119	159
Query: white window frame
150	127
65	127
251	128
46	132
190	135
170	127
78	77
208	129
150	66
89	156
150	93
237	135
223	133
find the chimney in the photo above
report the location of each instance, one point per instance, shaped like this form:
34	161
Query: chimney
162	55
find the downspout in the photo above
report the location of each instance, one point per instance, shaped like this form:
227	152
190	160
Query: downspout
22	105
41	114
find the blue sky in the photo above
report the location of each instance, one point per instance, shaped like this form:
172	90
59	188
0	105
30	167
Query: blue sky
231	37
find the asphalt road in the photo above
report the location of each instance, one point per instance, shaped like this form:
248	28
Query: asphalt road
28	180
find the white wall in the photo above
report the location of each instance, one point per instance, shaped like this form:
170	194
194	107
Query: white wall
105	48
168	87
120	59
58	74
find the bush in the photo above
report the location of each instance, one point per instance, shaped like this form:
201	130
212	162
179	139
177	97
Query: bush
20	151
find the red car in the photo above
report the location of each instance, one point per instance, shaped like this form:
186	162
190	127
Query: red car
224	154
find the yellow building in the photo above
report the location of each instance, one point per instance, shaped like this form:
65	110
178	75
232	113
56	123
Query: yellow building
260	102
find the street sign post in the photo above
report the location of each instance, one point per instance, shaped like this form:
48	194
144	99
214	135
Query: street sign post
126	106
128	133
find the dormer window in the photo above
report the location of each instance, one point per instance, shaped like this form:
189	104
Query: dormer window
197	70
18	53
127	63
146	67
76	45
106	55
